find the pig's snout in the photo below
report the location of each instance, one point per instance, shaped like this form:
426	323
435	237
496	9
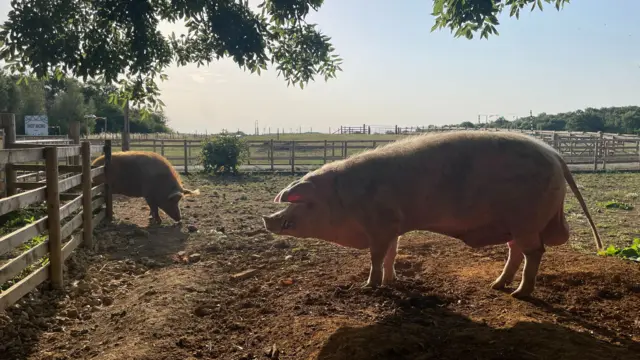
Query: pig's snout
272	223
276	223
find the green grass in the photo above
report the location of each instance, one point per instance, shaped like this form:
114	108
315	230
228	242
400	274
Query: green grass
17	219
613	204
14	221
631	252
305	148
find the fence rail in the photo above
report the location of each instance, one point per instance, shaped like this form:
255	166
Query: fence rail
78	209
596	149
578	148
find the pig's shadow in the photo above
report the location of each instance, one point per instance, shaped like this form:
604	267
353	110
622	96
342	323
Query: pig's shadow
423	329
155	245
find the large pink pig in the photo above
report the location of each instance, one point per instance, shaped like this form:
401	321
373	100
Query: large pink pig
484	188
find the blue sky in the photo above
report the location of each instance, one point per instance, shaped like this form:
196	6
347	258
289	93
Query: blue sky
397	72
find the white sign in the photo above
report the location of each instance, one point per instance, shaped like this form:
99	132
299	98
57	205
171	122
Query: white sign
36	125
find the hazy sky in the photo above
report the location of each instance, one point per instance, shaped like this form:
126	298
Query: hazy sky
396	72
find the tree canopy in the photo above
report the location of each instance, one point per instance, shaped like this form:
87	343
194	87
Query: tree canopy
623	119
466	17
69	99
118	42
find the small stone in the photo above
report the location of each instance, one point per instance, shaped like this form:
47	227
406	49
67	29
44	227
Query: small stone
272	352
83	286
79	332
281	244
107	301
203	311
182	253
132	242
195	257
192	228
148	262
95	302
140	232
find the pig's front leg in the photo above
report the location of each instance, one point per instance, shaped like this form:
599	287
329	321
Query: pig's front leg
378	250
376	271
384	228
389	275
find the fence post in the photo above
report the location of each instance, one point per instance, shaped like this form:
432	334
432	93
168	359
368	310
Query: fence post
154	145
8	124
324	159
186	157
53	217
346	150
293	156
108	198
595	155
74	135
11	179
271	153
162	147
638	151
604	154
87	211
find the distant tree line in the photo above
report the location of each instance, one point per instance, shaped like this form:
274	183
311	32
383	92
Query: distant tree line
624	119
66	100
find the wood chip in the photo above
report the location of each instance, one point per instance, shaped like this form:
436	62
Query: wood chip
243	275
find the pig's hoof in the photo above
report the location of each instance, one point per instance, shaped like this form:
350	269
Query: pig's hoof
499	284
522	294
370	285
389	281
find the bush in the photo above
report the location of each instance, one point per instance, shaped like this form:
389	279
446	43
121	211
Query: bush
223	154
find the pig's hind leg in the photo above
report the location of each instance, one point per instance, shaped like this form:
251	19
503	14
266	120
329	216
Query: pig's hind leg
510	267
533	249
389	274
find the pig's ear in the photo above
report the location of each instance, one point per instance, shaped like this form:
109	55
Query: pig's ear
300	192
177	194
278	197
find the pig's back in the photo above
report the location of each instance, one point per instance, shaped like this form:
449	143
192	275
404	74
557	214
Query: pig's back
465	176
485	181
134	174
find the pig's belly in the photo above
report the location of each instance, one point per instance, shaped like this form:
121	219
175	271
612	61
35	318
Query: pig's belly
356	242
130	191
481	236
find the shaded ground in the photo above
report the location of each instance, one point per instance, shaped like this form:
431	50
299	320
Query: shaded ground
169	293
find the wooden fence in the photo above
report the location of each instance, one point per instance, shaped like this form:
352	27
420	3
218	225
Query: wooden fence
61	222
590	150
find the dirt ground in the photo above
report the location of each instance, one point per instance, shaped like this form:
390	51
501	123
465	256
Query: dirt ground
167	292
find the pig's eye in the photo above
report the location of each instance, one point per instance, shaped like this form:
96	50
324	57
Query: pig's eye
287	225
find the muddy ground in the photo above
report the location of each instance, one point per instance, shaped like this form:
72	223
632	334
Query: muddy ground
165	292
